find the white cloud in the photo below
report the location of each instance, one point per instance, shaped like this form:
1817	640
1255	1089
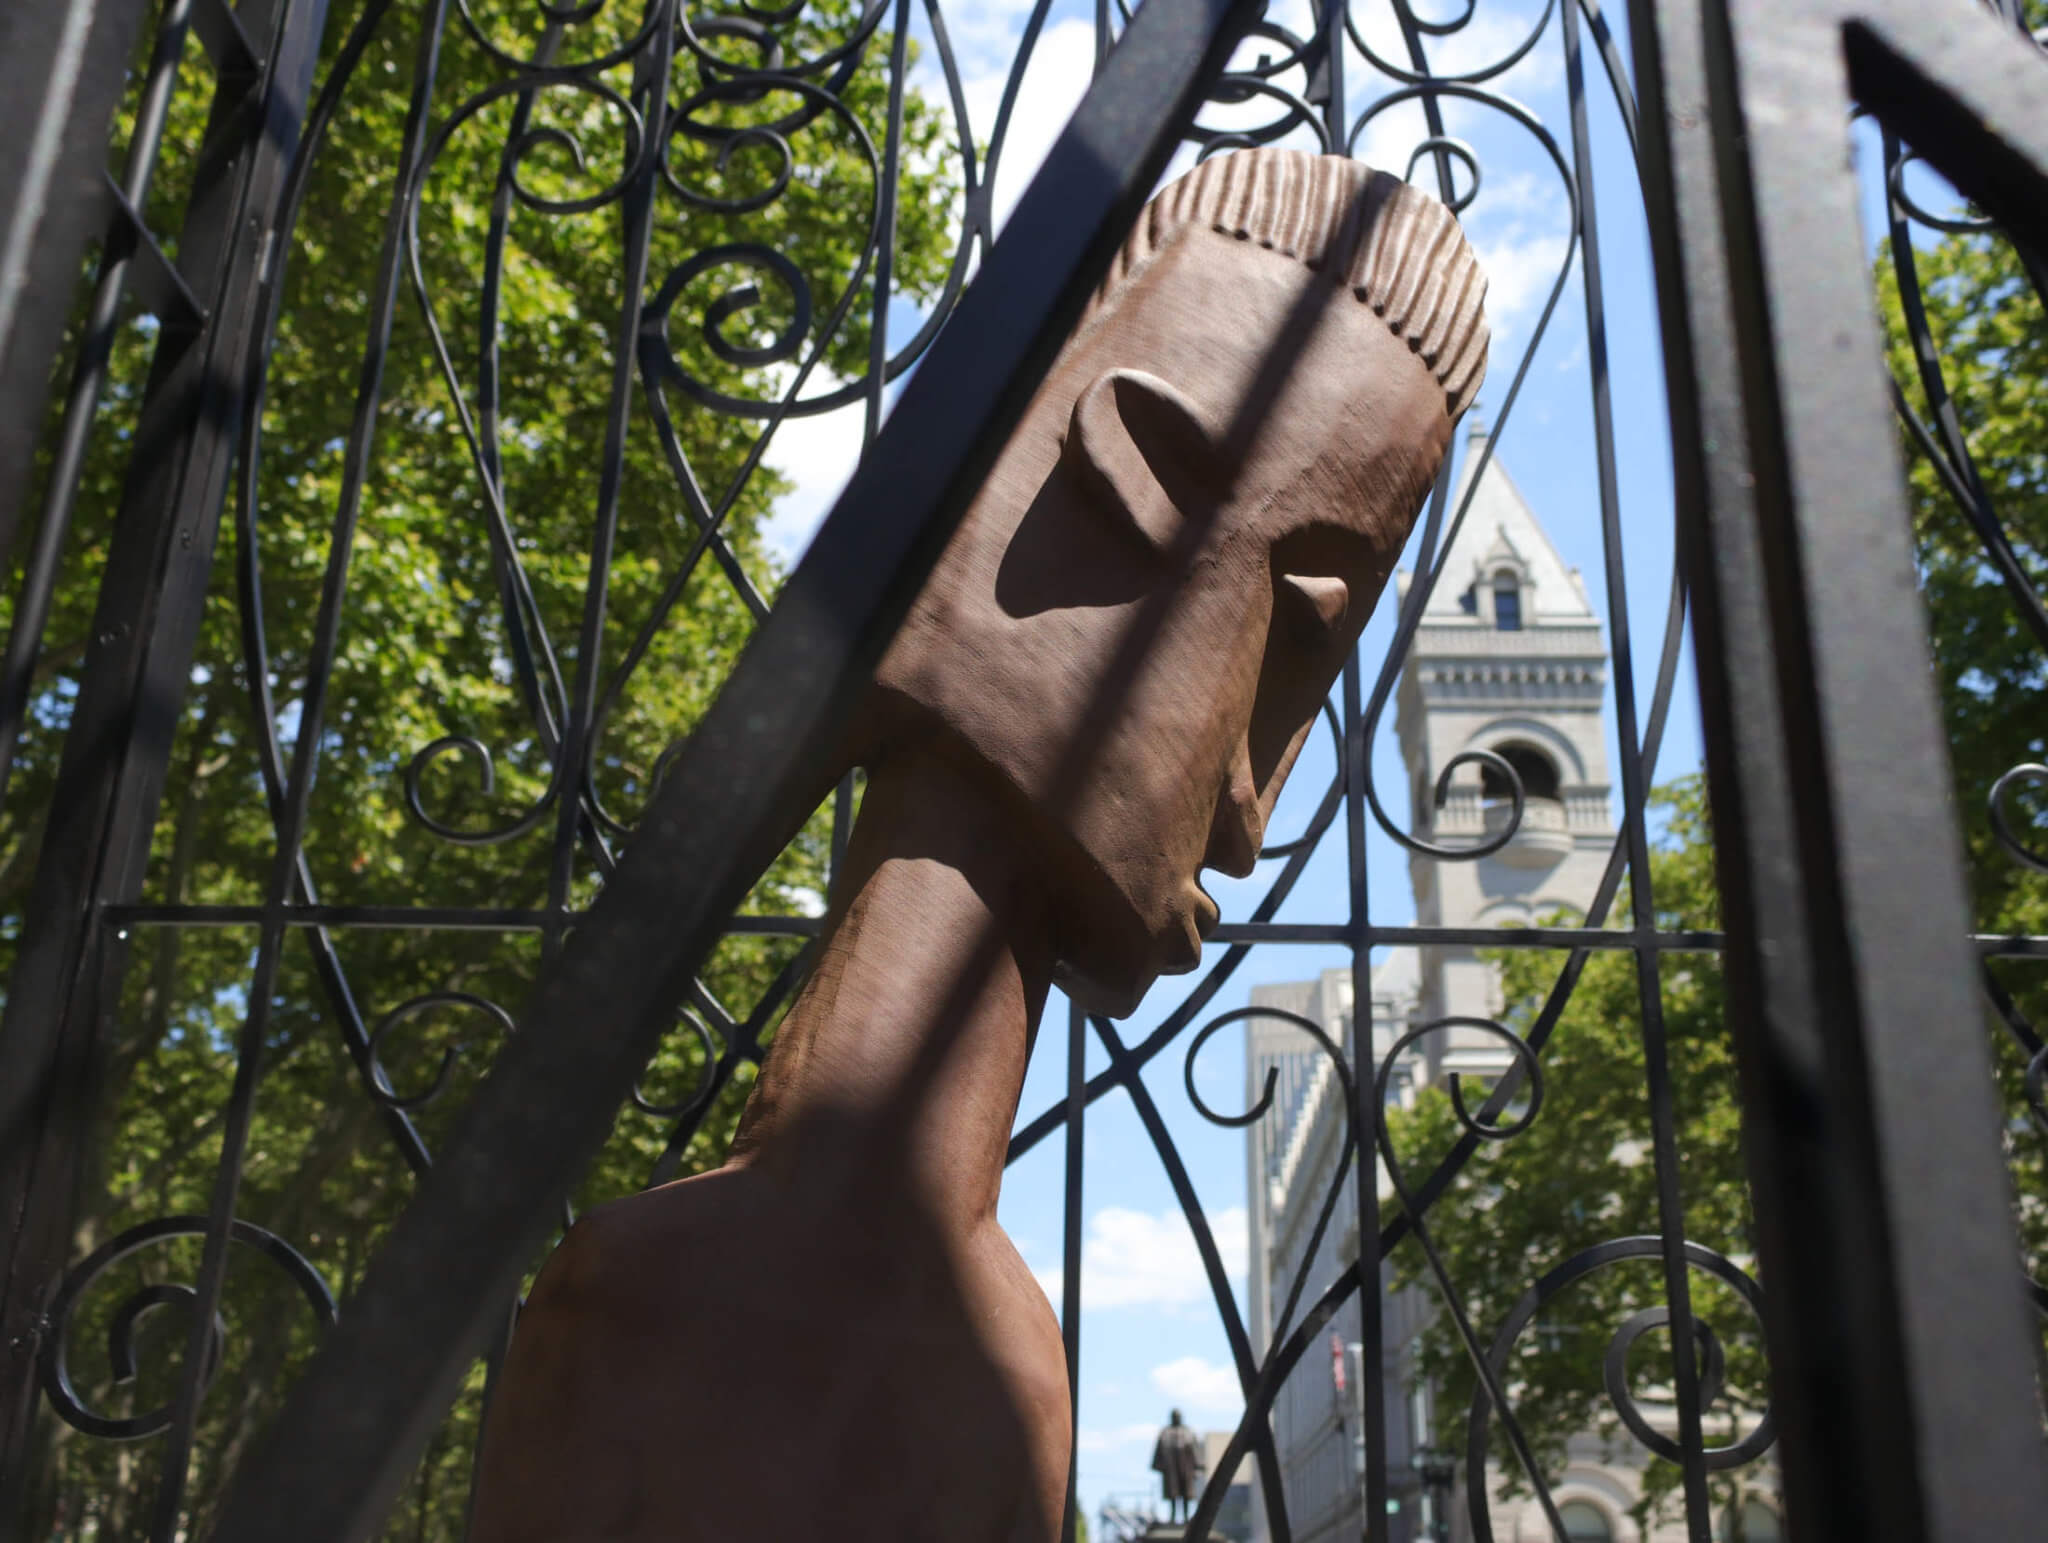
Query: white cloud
818	455
1115	1440
1490	37
1199	1385
1060	68
1137	1259
1521	266
984	35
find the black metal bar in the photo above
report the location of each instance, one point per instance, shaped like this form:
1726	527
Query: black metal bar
1070	1251
515	919
97	836
61	72
1895	1321
1366	1113
1657	1089
157	282
234	56
352	1428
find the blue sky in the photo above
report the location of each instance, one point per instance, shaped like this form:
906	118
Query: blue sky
1150	1336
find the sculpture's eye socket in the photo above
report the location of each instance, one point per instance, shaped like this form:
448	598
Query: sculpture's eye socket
1141	449
1313	607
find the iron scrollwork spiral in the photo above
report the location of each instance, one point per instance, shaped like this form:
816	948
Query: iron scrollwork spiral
122	1358
381	1088
1340	1071
1614	1363
2002	823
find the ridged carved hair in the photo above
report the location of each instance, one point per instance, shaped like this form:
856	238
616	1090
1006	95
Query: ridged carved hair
1398	249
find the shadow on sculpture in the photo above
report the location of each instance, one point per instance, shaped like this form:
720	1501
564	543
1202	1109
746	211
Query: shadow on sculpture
1098	694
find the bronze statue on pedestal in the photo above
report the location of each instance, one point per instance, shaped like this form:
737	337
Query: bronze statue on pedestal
1099	693
1177	1459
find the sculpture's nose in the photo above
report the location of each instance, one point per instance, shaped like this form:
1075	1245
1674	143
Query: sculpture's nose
1239	829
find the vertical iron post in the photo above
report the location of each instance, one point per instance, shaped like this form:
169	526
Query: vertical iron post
1070	1252
1895	1320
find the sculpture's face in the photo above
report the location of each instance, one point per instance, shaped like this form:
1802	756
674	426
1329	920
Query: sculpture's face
1146	606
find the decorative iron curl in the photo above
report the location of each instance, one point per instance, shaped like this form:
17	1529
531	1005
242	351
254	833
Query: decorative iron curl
380	1080
560	18
1473	77
610	822
1582	1264
531	83
2001	826
1458	150
1442	792
1895	184
2037	1088
659	362
471	748
1258	1110
1438	28
54	1363
1239	85
1234	90
707	1078
745	139
1526	1062
838	63
787	341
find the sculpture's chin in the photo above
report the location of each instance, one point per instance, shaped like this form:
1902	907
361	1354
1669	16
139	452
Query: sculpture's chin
1114	981
1110	999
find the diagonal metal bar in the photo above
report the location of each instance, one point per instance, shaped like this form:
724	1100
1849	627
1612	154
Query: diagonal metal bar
1898	1335
157	283
353	1427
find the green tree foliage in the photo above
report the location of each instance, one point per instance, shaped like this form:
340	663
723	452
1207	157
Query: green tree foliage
426	652
1582	1172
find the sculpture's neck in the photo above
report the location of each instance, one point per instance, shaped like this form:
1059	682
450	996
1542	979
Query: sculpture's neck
896	1074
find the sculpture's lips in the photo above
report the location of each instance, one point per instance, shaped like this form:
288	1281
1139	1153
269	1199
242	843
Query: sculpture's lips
1197	919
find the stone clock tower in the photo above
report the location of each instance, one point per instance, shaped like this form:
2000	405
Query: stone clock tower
1509	658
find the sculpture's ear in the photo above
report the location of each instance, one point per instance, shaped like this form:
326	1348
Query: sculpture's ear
1143	452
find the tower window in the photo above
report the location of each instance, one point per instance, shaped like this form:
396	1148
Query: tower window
1537	771
1507	604
1585	1523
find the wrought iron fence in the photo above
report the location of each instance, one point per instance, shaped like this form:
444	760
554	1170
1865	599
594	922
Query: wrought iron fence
475	326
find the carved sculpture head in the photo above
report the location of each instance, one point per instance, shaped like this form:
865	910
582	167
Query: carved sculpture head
1136	624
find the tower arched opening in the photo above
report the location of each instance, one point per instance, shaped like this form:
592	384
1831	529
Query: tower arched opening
1536	770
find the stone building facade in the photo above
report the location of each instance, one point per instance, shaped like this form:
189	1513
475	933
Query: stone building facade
1510	658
